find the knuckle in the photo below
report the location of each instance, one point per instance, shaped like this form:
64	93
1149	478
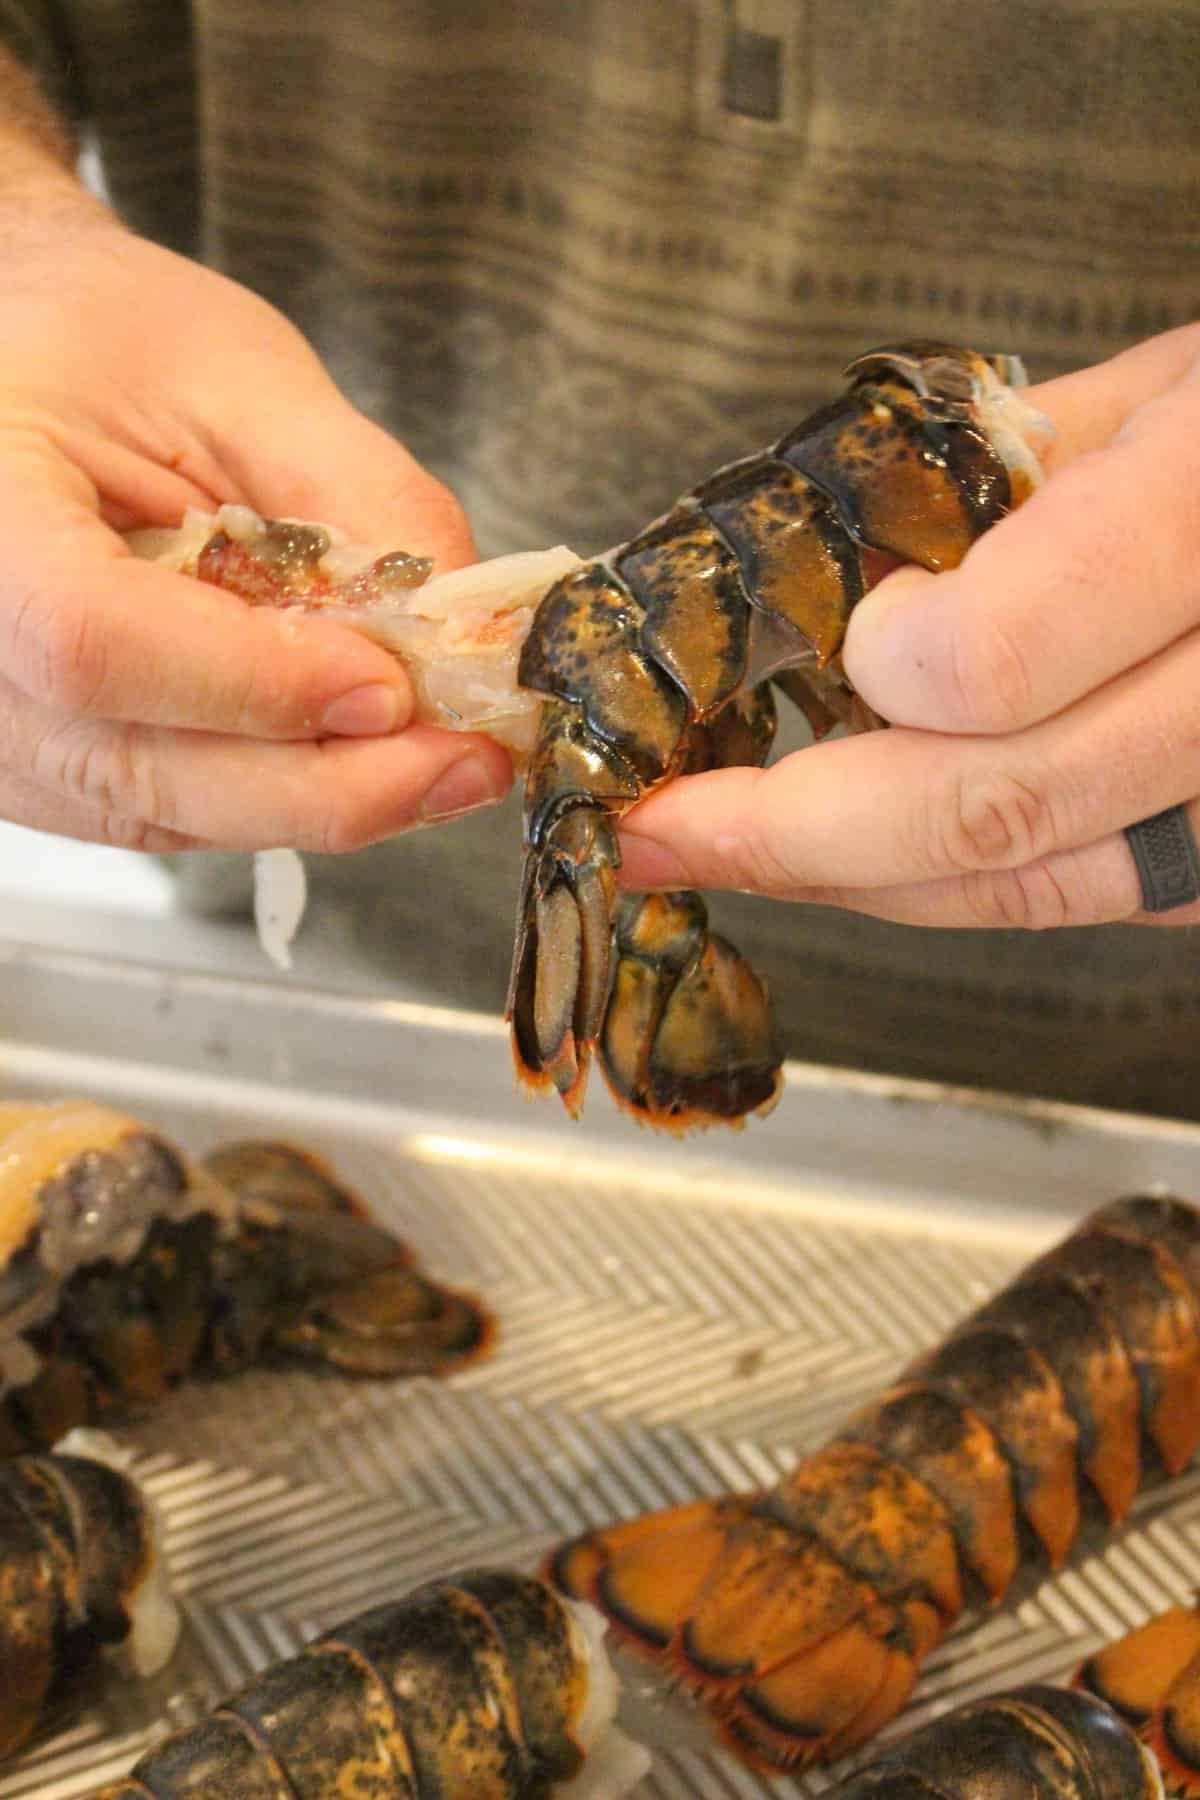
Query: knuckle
139	835
1031	899
108	770
58	653
248	710
753	865
996	822
345	828
991	676
341	837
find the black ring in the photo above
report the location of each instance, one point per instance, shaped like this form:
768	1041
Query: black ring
1168	862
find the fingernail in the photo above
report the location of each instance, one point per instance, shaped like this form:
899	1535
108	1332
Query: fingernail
370	711
652	865
461	788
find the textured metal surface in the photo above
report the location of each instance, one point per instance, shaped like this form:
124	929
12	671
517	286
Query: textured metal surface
674	1320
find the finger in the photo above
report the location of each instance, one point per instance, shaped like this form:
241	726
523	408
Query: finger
1095	885
91	630
896	807
318	458
24	803
1100	569
1089	406
335	795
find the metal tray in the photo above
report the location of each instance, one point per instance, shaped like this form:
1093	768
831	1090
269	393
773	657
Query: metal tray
676	1318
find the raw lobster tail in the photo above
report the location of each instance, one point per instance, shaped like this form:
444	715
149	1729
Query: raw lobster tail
123	1268
647	653
78	1575
1042	1743
475	1686
801	1615
1152	1679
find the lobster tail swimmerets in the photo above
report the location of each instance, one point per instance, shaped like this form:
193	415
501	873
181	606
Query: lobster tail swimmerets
801	1615
645	653
484	1686
124	1267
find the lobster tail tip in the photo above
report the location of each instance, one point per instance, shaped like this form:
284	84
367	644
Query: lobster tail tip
647	1574
821	1706
1173	1739
689	1040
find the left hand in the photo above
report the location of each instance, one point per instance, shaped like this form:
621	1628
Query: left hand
1045	695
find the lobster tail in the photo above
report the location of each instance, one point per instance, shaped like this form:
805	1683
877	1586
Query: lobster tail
481	1684
648	654
1043	1743
79	1574
123	1268
801	1615
311	1273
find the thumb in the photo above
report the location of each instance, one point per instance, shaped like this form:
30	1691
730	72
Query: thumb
322	459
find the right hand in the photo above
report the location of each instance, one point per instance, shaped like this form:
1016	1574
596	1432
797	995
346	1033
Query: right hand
142	708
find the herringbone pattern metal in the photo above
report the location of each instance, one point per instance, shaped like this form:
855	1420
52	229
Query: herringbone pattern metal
654	1346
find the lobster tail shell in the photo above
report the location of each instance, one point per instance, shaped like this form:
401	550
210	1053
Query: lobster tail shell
470	1686
1041	1743
78	1545
973	1460
750	577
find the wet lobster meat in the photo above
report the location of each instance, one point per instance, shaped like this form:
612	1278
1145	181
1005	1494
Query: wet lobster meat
125	1267
800	1615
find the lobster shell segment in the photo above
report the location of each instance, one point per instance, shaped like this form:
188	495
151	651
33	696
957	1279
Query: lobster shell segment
972	1461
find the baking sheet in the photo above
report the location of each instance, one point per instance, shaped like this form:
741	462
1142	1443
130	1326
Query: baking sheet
675	1319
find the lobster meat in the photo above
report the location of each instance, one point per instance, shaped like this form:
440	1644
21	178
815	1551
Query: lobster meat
81	1574
611	677
124	1268
800	1615
485	1686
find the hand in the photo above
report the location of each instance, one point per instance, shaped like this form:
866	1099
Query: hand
1045	695
140	707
